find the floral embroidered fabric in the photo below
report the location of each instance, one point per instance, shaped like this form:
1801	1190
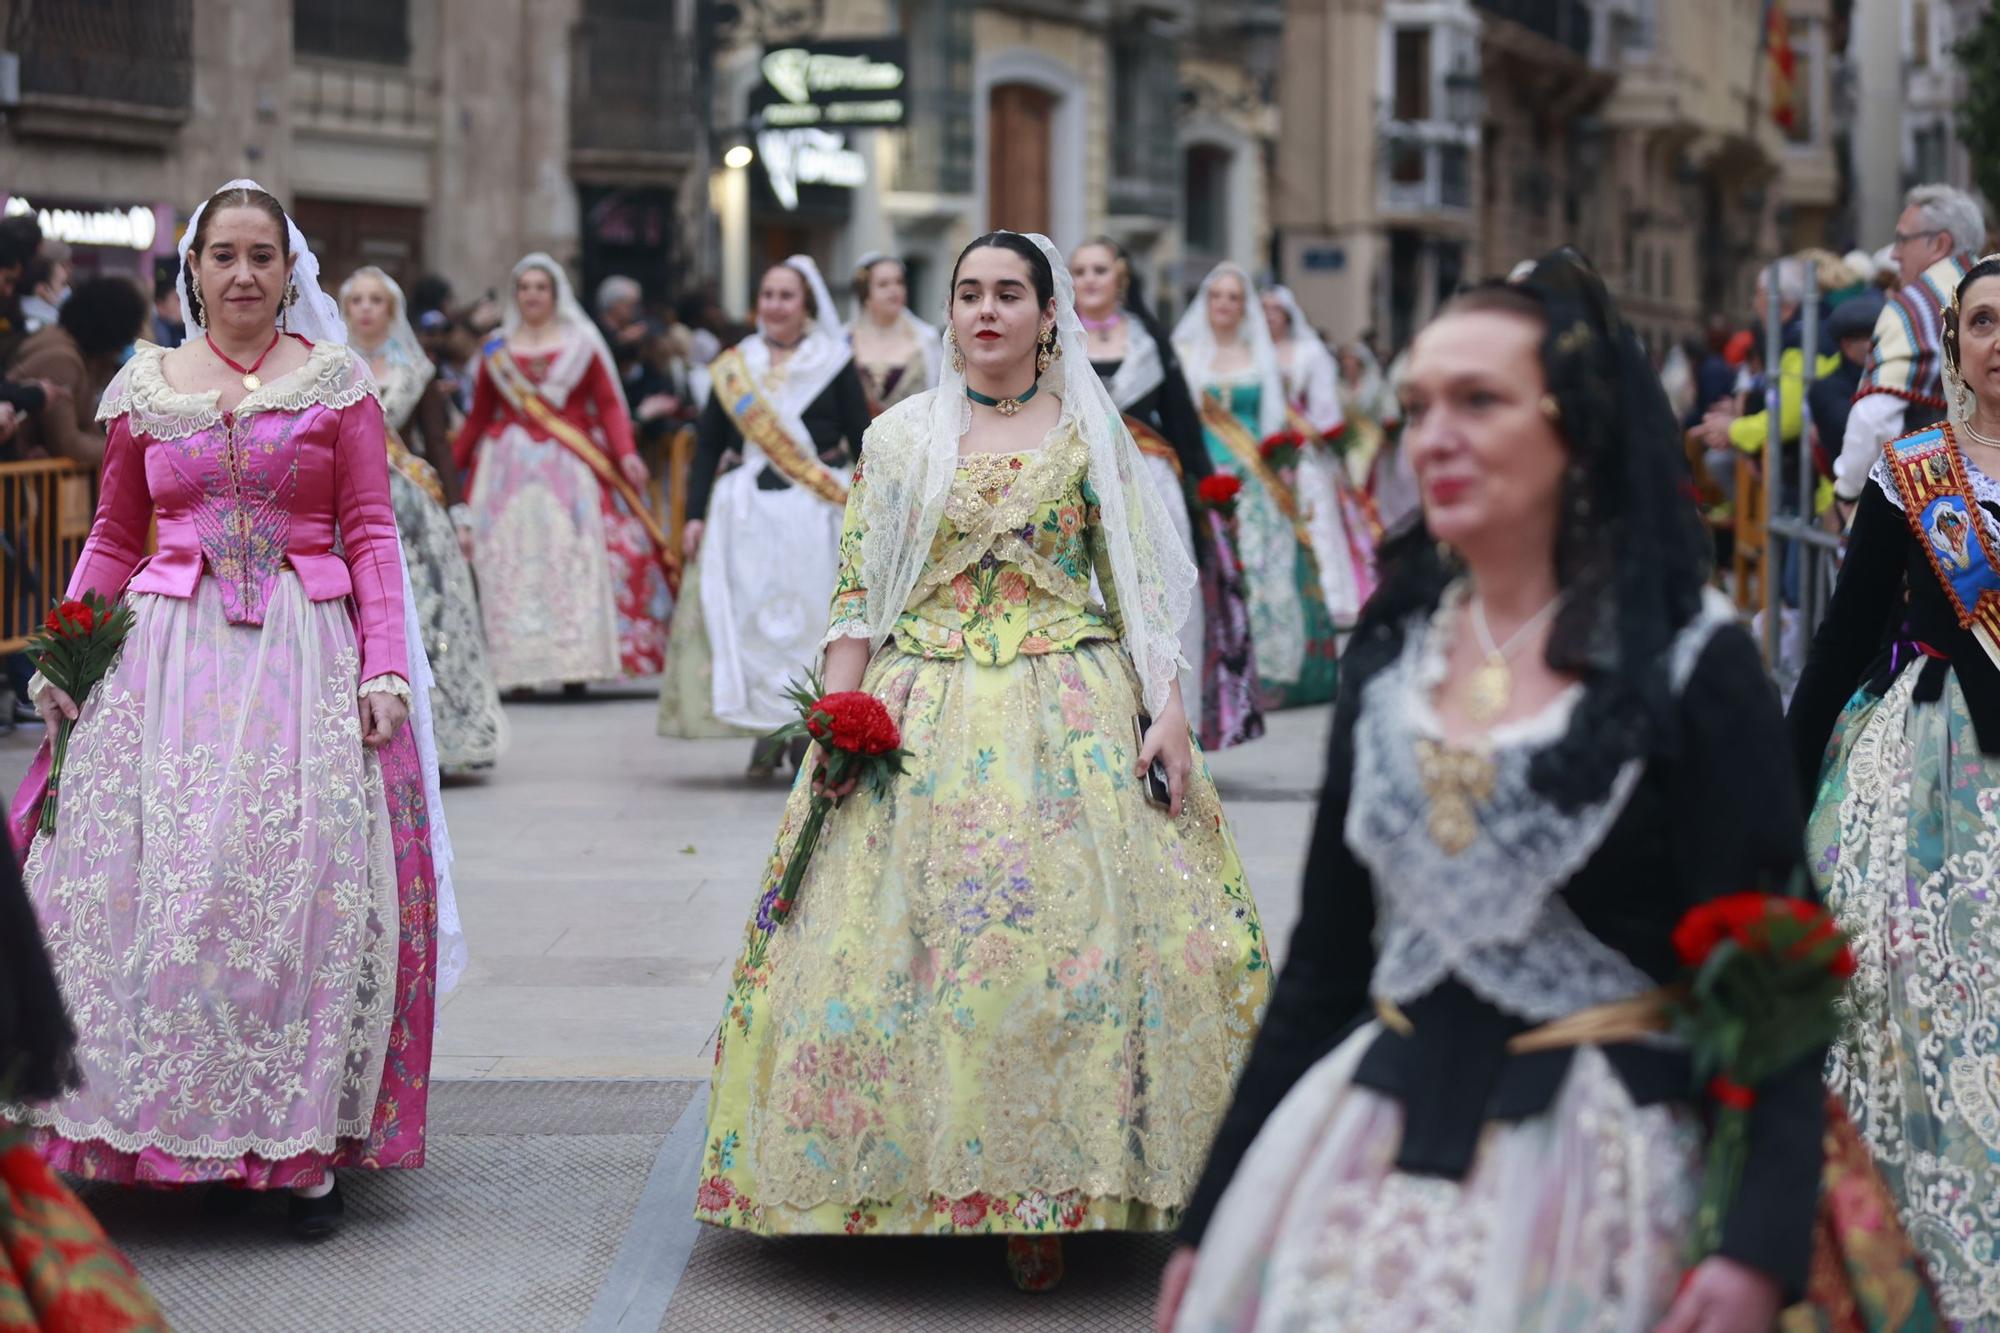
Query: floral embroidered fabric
1013	997
1488	911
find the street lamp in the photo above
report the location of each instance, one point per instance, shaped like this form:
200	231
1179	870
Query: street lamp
738	157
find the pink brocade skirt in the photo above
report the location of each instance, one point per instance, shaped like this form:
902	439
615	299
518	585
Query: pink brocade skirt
240	905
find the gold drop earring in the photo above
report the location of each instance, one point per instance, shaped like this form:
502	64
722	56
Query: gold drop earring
1049	351
957	354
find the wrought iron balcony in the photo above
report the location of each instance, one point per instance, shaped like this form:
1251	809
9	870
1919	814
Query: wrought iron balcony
1425	171
634	94
119	70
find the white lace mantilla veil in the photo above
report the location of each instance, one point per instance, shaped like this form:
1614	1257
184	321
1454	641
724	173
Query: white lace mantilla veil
314	316
584	339
912	455
929	338
399	348
1195	341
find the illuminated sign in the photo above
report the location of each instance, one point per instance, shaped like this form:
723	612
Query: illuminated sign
133	228
809	157
835	84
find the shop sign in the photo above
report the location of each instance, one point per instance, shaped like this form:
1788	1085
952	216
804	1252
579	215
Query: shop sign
809	157
847	83
133	228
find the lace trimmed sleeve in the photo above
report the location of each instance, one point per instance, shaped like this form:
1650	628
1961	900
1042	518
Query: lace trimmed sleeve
849	616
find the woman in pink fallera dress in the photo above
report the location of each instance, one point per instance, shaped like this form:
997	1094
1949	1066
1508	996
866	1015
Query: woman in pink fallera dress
238	894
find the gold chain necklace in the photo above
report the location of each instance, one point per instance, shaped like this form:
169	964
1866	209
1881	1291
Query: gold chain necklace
1490	687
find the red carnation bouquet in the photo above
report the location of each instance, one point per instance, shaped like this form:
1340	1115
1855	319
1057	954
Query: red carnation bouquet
78	642
1218	491
1281	451
1764	974
861	742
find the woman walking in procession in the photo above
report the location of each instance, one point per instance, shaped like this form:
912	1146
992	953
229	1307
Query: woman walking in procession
1462	1113
762	541
1340	519
572	564
1898	746
254	991
471	729
1132	355
1012	996
1233	369
897	354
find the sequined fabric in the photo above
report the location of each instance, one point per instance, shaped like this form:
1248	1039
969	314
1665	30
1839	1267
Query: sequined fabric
1013	996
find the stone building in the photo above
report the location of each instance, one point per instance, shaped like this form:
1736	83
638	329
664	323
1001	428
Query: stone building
1149	120
447	136
1432	142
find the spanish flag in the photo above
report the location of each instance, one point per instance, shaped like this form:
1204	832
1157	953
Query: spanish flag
1783	63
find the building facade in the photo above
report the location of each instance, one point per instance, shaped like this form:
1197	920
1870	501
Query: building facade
1147	120
424	136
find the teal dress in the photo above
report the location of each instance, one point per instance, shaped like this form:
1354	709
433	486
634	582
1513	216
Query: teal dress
1289	623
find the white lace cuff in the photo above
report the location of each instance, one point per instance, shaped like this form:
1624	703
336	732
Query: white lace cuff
846	628
388	684
36	684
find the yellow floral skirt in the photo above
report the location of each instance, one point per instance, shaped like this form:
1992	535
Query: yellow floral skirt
1013	997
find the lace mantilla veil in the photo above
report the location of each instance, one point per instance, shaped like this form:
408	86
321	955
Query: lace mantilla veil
1194	339
314	316
912	454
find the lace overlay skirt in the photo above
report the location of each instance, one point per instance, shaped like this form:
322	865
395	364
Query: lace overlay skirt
1571	1221
237	899
1905	841
1012	997
471	730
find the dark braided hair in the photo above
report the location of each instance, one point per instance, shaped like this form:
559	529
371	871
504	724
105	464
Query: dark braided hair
1631	556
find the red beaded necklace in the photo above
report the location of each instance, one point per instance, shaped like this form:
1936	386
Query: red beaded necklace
249	372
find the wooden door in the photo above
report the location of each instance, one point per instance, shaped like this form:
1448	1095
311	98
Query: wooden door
1019	126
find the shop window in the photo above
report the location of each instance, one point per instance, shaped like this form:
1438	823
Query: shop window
1413	74
938	156
1020	122
373	31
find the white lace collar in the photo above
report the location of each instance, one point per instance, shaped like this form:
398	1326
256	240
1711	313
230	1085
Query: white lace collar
1486	909
331	376
1985	489
1432	658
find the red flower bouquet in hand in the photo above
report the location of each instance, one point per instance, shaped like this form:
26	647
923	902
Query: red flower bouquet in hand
1764	974
1281	451
78	642
861	742
1218	491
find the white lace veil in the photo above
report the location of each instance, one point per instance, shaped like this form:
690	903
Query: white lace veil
908	479
314	316
1958	397
1303	333
823	351
400	348
1195	341
584	338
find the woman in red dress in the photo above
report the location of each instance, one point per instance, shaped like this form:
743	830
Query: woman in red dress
572	565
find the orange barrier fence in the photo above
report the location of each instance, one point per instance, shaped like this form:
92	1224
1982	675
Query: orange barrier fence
45	511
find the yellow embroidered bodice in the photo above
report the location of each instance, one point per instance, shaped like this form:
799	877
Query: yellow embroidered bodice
1010	566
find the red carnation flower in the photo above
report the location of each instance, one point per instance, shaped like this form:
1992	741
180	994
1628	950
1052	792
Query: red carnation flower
1218	489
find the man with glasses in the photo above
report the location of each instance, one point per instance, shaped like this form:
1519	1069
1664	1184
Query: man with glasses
1902	386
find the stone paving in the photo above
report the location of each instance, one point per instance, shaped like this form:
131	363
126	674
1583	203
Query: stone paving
605	876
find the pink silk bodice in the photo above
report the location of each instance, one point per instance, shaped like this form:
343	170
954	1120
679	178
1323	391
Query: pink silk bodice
242	495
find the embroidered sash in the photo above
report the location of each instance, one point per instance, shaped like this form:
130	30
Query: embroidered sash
736	389
1946	520
1243	447
1357	503
525	397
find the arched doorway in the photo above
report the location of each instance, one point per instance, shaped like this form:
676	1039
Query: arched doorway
1019	129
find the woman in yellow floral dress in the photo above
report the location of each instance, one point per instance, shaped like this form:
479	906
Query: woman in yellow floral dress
1013	996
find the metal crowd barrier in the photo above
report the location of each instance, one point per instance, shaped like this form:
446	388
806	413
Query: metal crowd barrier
1794	525
45	512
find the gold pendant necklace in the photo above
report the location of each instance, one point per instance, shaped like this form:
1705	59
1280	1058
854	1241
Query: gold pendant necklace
1490	688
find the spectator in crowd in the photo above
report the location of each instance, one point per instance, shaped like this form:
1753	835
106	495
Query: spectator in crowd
432	292
80	353
168	328
1902	388
619	315
20	237
661	385
44	285
1852	327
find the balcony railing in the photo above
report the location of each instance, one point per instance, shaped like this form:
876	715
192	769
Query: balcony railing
131	53
362	97
1424	173
1565	22
1145	151
633	89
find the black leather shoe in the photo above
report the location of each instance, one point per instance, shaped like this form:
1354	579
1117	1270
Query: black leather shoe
316	1219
